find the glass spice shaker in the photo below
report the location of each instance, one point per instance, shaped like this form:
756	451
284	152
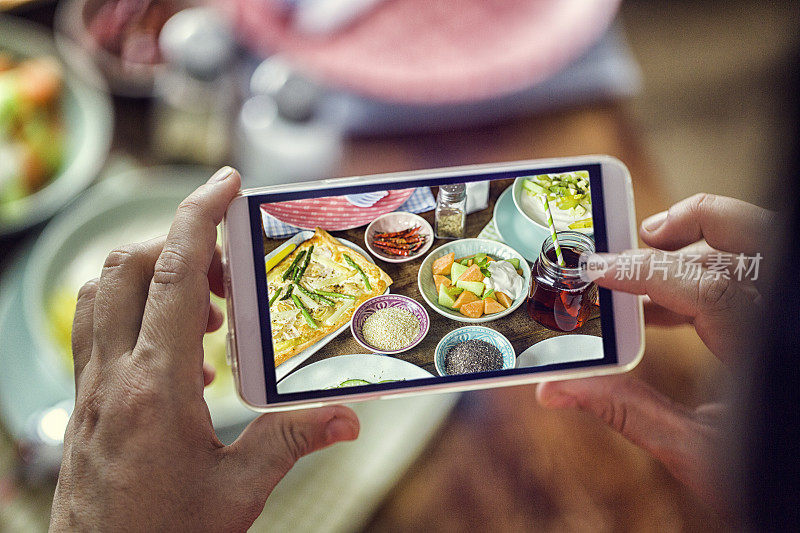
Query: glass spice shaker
451	211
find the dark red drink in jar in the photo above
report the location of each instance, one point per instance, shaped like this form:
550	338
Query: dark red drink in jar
561	298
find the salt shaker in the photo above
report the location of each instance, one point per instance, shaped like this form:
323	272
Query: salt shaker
279	137
196	93
451	211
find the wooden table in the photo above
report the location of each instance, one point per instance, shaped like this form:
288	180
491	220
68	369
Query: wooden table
518	327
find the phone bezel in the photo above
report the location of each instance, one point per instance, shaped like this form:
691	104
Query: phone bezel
245	339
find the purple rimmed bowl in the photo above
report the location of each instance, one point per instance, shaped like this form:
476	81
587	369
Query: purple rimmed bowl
368	308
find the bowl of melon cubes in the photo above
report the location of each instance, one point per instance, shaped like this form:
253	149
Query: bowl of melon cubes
474	280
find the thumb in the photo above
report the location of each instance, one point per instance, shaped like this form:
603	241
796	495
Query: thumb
272	443
670	432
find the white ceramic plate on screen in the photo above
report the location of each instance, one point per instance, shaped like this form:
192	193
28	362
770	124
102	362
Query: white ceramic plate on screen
334	371
562	349
398	221
293	362
533	211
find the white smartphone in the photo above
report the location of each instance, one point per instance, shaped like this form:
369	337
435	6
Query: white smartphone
351	289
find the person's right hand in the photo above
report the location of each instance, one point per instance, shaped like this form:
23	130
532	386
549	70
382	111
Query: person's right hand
718	306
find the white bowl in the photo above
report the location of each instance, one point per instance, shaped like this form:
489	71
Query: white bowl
335	370
465	247
539	217
398	221
88	124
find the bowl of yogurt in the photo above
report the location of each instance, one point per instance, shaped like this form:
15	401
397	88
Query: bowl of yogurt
569	197
502	270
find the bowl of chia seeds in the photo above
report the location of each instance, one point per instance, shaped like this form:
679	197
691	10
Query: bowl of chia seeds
390	324
472	349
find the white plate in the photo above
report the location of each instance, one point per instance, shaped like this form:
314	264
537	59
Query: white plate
535	213
462	248
336	370
562	349
293	362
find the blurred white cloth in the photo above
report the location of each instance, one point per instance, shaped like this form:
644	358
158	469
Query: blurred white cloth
367	199
477	196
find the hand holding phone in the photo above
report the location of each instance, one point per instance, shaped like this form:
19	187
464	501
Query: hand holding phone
323	310
139	448
721	306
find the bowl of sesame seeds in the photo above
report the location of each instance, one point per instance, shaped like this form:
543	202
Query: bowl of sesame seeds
390	324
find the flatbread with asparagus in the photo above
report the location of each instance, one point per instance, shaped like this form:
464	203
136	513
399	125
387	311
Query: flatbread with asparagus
315	290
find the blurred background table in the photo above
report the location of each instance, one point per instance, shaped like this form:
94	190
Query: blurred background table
500	462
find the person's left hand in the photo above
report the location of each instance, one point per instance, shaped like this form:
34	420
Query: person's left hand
140	452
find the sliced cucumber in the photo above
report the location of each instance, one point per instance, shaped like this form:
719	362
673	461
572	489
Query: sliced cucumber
353	383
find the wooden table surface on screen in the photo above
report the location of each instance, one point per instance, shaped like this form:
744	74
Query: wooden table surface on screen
518	327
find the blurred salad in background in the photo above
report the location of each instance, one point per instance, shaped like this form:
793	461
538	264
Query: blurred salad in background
31	133
62	298
61	310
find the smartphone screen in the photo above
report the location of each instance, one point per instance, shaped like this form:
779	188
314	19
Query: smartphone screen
376	287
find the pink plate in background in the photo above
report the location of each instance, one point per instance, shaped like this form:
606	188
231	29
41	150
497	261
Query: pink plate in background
334	213
434	51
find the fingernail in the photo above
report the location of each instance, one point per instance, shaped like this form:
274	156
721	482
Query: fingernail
221	174
654	222
339	429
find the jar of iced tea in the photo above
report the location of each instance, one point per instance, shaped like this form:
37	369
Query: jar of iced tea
560	297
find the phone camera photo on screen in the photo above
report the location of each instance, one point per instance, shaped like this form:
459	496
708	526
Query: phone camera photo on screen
441	280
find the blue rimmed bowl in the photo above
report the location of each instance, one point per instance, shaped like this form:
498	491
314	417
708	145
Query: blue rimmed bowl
468	333
368	308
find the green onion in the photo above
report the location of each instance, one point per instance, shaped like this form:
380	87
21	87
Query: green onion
316	297
305	312
293	265
301	271
335	295
275	296
354	265
288	293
